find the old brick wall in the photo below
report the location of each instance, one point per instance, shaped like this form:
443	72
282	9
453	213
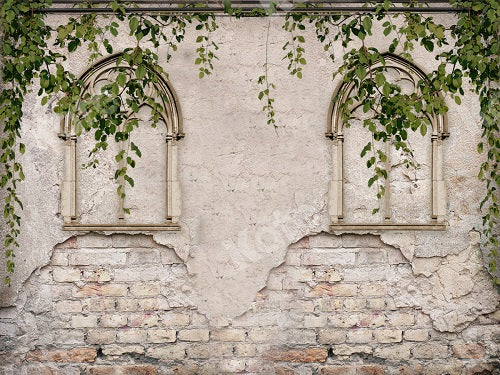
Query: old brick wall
122	304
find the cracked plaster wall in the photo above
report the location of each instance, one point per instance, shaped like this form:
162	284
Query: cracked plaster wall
247	192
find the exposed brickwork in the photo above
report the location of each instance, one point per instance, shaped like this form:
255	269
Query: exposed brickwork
121	305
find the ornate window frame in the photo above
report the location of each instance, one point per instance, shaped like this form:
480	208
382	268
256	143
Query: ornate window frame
172	118
335	132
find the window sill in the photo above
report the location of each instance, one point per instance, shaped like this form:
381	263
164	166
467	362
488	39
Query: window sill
388	226
119	227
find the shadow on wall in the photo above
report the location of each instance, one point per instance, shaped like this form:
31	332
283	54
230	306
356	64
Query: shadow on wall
349	304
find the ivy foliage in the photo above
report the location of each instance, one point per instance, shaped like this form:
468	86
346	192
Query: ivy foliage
468	53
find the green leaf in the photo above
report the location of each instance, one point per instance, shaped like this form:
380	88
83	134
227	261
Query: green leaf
133	25
140	72
121	79
423	129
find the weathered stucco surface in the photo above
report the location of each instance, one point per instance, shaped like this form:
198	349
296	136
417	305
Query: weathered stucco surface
248	193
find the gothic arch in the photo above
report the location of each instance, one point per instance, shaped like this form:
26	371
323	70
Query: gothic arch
335	131
171	117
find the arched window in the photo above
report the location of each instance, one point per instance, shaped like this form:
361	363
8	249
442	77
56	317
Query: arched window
412	200
89	200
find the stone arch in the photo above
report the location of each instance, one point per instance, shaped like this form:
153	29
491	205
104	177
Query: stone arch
335	131
170	115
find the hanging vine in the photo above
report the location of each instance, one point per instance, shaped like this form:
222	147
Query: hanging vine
471	54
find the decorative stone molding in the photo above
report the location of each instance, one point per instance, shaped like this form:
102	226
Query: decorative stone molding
104	71
335	131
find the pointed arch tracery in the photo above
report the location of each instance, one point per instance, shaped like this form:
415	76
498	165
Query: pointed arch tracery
103	72
411	74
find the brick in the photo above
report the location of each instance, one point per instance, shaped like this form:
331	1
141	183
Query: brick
70	243
158	336
466	351
357	240
113	320
330	304
59	355
172	319
127	304
144	290
110	290
328	275
140	273
482	369
132	241
395	256
298	274
93	258
339	290
132	335
42	369
412	369
94	240
143	256
375	303
283	371
63	275
82	321
59	258
210	350
118	350
245	350
445	368
99	304
99	275
348	350
149	304
123	370
386	336
65	307
232	365
373	289
365	274
393	352
401	319
193	335
168	256
60	291
143	320
352	370
293	257
298	336
167	353
324	240
312	321
228	334
359	336
416	335
331	336
99	336
343	321
372	320
355	304
430	351
327	257
306	355
263	334
371	256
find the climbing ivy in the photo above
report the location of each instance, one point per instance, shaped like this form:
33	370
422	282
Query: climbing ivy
468	52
